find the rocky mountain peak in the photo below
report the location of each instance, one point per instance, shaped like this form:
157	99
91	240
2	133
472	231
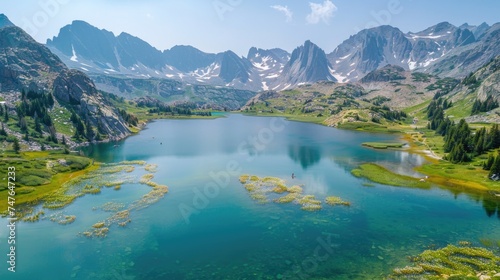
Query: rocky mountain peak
4	21
234	67
187	58
80	40
368	50
307	64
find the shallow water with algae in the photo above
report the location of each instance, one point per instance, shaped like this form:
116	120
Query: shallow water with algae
207	225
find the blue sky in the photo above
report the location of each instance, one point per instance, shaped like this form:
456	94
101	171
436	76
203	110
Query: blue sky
219	25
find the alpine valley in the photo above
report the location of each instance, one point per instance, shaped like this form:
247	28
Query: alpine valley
86	84
404	127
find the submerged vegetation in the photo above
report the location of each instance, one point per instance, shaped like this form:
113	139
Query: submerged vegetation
260	189
334	200
452	262
62	219
121	216
56	180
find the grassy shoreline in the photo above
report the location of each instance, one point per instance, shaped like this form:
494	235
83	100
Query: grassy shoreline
36	192
454	176
382	175
420	141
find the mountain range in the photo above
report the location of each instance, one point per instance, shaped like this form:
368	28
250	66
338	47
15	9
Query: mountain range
28	65
376	67
442	49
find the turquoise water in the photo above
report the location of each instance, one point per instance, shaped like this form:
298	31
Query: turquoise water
207	227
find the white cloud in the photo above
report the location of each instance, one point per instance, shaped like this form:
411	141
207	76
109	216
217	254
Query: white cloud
321	12
285	10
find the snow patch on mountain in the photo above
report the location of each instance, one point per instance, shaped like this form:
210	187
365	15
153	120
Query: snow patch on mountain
73	57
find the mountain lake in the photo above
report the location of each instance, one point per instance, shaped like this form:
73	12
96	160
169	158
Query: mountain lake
208	226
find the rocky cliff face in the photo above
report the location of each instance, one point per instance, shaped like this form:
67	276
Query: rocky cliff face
233	67
385	74
74	87
307	64
369	50
26	64
489	79
468	58
374	48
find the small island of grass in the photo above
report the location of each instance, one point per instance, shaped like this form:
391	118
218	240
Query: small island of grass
382	145
259	190
334	200
379	174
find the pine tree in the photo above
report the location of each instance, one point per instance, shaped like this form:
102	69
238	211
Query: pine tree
476	107
38	127
489	163
494	137
89	132
53	134
50	100
76	135
495	168
3	132
16	146
479	147
22	124
6	114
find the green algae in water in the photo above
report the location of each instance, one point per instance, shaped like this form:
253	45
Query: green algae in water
259	189
309	203
335	200
62	219
451	261
89	189
296	189
287	198
34	218
108	175
122	218
151	168
110	207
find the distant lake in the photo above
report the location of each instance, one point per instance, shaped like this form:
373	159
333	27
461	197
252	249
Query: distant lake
207	226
